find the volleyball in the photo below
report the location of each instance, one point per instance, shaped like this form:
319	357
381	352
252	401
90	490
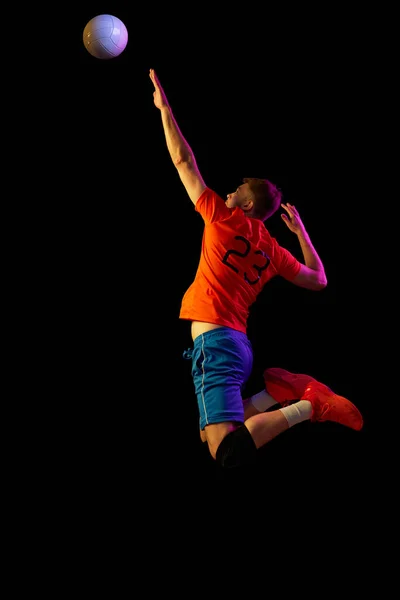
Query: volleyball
105	36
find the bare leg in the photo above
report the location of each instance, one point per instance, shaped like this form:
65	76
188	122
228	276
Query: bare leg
249	409
215	433
264	427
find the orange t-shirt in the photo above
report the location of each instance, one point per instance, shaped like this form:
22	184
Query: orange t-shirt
238	257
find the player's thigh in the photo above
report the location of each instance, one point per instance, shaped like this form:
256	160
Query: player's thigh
216	432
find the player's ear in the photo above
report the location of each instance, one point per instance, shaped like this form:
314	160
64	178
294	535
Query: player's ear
248	204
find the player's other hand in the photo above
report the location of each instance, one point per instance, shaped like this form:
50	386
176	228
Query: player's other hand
292	219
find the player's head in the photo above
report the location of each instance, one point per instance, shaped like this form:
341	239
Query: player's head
258	198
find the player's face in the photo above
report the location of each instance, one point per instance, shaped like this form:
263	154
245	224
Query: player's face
239	197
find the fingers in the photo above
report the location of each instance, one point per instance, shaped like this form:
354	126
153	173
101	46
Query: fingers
290	209
153	76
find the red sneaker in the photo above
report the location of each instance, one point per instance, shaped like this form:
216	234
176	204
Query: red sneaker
286	387
327	406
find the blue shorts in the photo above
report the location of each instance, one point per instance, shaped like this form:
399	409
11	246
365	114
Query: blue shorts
222	360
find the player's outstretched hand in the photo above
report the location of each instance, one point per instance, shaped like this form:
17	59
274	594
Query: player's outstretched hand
160	99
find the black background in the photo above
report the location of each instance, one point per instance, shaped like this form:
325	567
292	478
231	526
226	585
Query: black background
269	94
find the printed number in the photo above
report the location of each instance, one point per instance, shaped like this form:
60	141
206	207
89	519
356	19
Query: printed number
247	249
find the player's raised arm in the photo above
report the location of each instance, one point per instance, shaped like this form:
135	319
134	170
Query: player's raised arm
181	154
312	273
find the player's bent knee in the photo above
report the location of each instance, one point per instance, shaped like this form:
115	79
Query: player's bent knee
237	449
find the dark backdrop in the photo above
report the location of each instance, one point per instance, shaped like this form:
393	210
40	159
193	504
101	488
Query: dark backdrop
265	96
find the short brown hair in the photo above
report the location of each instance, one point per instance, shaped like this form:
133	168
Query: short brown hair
267	197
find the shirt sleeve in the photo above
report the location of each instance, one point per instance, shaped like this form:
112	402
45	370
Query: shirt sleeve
288	266
212	207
